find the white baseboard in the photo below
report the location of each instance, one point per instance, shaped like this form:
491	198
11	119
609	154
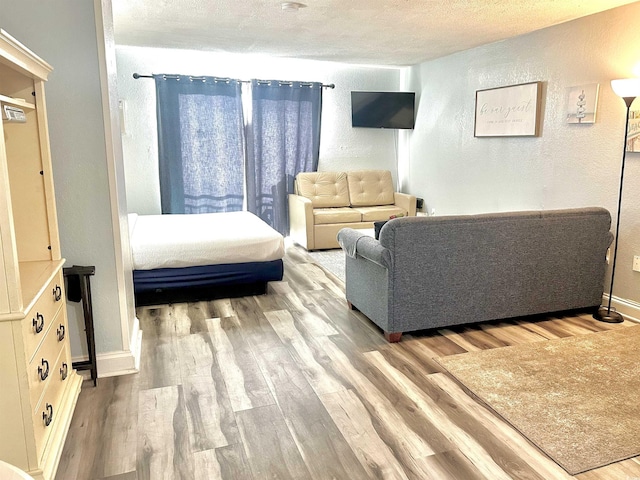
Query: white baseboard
628	309
122	362
136	342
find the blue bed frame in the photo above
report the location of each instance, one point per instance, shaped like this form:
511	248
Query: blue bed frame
206	282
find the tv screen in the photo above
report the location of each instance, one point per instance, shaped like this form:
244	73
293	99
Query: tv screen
383	109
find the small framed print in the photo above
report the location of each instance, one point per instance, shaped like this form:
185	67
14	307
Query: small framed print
581	103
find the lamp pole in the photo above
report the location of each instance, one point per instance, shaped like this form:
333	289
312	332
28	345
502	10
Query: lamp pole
628	89
606	314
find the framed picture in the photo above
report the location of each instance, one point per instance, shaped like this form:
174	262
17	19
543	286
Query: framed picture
633	131
508	111
581	103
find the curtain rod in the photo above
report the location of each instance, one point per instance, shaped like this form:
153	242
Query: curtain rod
137	76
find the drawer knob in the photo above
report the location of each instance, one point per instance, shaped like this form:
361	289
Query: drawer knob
57	293
38	323
64	371
47	415
60	332
43	370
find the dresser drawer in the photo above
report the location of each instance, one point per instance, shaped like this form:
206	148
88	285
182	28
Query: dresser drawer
41	316
48	411
42	365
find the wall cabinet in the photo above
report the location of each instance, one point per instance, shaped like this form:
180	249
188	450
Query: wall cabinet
38	387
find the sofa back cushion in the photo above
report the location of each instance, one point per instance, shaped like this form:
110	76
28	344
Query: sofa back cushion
370	187
324	189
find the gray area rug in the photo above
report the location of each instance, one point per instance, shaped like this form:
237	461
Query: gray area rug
330	260
577	398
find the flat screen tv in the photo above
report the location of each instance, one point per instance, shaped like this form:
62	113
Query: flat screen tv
383	109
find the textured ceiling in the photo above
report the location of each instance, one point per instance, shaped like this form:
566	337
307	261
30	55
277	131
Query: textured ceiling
378	32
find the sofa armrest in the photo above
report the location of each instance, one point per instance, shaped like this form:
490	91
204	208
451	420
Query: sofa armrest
355	243
406	201
301	221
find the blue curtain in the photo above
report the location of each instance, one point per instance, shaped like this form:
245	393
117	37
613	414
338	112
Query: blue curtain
200	144
283	140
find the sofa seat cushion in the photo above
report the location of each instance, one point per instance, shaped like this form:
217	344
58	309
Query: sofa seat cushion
370	187
383	212
324	189
323	216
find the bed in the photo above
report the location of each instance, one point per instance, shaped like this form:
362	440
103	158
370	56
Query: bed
203	256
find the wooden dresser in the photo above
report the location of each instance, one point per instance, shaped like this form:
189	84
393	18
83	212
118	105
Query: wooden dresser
38	387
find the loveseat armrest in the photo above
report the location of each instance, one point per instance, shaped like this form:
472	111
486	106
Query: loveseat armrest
406	201
355	243
301	221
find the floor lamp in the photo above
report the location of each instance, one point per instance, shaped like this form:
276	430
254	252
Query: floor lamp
628	89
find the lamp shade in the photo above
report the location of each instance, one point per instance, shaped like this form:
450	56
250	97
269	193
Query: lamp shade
626	87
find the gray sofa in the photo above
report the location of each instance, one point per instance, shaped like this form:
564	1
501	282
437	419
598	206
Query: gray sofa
430	272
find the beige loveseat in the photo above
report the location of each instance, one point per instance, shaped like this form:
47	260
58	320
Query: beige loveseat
326	202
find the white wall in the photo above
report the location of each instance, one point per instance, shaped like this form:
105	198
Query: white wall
63	33
341	146
568	165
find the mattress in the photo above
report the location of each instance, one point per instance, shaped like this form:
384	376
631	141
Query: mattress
176	241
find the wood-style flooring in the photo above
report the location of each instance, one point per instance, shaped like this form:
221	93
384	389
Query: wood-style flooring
294	385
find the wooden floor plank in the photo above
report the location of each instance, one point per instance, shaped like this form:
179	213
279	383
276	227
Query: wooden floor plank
271	451
435	344
206	466
511	333
84	437
211	420
197	314
245	382
160	326
353	325
233	462
537	328
163	445
357	427
220	308
254	324
314	363
298	278
314	321
411	441
322	278
325	452
104	430
123	476
227	462
158	365
117	454
481	338
453	465
406	361
271	302
459	339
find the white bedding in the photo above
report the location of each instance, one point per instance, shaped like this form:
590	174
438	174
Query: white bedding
174	241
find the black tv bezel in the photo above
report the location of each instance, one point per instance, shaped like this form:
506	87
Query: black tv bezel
356	121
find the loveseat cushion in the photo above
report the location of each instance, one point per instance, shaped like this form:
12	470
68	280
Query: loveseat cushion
323	216
370	187
324	189
382	212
